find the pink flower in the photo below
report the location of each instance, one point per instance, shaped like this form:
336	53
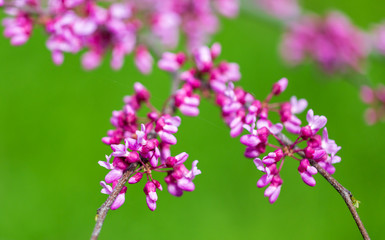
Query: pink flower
203	59
288	111
143	60
306	171
19	27
136	178
272	192
151	196
166	126
171	62
186	101
315	123
333	42
280	86
180	178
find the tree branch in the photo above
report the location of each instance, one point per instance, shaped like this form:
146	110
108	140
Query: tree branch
103	210
345	193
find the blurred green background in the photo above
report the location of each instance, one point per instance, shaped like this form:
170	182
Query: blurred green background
52	120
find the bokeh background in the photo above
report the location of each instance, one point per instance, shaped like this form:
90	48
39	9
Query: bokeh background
53	118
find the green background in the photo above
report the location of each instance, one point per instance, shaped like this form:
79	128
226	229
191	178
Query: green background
52	120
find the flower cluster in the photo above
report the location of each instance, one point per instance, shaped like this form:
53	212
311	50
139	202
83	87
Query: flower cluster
376	99
307	145
241	111
204	76
332	41
148	147
121	28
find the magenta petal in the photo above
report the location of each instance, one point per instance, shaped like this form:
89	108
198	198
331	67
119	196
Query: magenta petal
194	171
258	163
167	137
292	128
153	196
236	130
136	178
308	179
319	154
181	157
154	160
269	191
118	201
273	197
150	203
309	116
319	123
251	153
276	128
175	121
191	101
188	110
173	189
107	189
312	170
263	181
113	175
105	164
269	159
335	159
170	129
297	106
250	140
186	184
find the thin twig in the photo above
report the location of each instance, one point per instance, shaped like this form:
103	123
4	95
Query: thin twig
103	210
345	193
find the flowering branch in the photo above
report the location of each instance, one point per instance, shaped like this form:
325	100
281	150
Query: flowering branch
240	110
103	210
169	109
350	201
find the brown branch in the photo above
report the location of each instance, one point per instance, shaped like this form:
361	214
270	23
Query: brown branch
103	210
345	193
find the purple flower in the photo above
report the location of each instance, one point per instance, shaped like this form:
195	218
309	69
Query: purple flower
18	27
280	86
151	196
143	60
203	59
272	192
166	126
329	145
120	150
315	123
288	111
306	171
171	62
107	163
136	178
332	41
186	101
180	178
